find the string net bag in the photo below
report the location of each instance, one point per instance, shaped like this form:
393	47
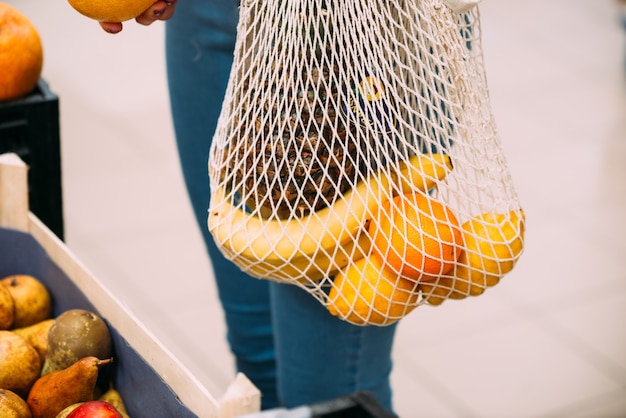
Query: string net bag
356	156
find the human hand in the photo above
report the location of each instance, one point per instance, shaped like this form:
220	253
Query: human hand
160	10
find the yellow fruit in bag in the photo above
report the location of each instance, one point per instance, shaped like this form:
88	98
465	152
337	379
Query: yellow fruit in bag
416	236
493	243
366	293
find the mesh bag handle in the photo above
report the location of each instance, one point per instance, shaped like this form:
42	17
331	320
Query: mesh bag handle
356	156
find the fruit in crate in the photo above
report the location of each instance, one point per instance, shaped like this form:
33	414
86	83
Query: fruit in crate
12	405
59	389
416	236
21	54
111	10
493	242
37	336
6	308
113	397
31	299
95	409
20	363
76	333
68	410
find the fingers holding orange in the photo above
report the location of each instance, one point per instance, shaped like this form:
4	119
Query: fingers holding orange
112	13
160	10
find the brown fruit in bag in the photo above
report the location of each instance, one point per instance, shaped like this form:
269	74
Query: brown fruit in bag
59	389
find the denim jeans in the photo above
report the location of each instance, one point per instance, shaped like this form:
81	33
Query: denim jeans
283	339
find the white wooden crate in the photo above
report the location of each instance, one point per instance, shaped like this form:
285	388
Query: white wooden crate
178	392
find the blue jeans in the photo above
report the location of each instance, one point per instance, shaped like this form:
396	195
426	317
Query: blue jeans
283	339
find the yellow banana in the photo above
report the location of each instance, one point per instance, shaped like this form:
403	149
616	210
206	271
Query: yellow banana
307	269
287	244
422	172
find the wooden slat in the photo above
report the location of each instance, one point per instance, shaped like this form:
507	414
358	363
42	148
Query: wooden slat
13	193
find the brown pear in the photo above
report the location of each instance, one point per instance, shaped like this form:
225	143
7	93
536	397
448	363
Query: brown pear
76	333
20	364
32	302
37	335
6	308
13	406
57	390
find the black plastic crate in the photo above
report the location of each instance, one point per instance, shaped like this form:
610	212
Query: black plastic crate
29	127
360	404
356	405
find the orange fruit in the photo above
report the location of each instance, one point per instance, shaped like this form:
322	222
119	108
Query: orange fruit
416	236
364	293
111	10
21	54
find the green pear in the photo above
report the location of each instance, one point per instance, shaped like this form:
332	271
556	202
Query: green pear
57	390
75	334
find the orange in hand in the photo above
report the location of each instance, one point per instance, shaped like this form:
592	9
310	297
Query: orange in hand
111	10
416	236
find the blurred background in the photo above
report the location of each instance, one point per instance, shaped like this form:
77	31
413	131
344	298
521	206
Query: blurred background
548	341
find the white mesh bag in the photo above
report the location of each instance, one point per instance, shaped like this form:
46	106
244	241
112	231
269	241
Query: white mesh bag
356	156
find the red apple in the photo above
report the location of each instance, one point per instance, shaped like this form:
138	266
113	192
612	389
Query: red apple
95	409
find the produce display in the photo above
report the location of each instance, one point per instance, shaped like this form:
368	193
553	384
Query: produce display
50	366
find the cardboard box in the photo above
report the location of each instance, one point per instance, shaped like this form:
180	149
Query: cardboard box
152	382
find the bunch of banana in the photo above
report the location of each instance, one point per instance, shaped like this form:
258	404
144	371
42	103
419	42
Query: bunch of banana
317	245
